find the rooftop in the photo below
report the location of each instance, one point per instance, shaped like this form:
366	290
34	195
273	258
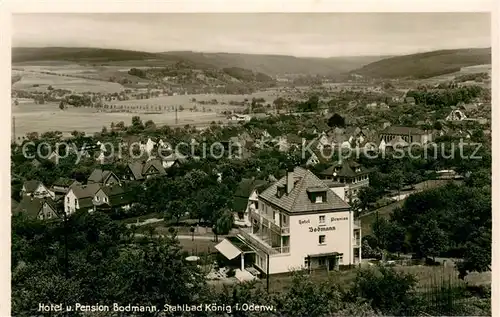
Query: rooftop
400	130
297	200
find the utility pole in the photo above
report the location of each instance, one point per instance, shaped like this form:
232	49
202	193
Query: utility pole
66	264
176	116
267	274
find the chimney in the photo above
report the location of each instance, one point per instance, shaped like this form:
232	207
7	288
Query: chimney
289	180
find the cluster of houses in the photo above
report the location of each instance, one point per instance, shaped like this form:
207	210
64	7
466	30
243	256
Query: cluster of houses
103	191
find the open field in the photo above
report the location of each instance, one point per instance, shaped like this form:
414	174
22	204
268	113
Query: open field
185	100
31	117
486	68
77	85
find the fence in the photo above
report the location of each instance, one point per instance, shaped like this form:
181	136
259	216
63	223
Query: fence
443	296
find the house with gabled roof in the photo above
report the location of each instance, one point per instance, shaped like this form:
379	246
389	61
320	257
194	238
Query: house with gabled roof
174	160
140	170
62	185
36	189
323	155
349	172
246	198
38	208
409	134
299	224
80	197
111	198
103	177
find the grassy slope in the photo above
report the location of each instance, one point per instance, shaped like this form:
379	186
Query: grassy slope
425	65
268	64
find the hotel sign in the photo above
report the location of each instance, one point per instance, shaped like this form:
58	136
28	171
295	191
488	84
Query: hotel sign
321	229
338	219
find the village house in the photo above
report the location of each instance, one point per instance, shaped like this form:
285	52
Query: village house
239	118
340	189
38	208
410	100
246	198
408	134
103	177
456	115
36	189
112	197
348	172
143	170
285	143
80	197
36	163
62	185
299	223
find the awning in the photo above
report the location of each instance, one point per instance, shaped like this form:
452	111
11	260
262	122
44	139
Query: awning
320	255
228	249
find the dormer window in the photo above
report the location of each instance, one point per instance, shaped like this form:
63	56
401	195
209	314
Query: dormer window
317	194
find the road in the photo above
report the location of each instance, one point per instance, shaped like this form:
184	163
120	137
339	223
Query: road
145	222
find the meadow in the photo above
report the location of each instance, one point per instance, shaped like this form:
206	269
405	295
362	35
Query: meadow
486	68
36	81
32	117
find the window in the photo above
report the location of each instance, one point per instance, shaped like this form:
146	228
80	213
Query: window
321	219
321	261
67	200
340	259
321	239
319	199
96	198
306	262
105	199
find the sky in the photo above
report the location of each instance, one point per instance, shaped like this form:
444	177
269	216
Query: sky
297	34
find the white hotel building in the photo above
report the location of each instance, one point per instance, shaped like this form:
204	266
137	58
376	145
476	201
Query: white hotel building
299	223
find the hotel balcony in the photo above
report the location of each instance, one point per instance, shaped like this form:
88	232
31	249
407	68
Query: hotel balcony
356	242
259	243
270	223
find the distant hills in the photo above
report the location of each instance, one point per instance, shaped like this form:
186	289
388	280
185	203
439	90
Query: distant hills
279	64
268	64
425	65
416	66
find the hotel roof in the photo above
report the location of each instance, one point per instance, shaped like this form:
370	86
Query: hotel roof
298	200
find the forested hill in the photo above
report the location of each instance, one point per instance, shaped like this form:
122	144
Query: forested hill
280	64
425	65
268	64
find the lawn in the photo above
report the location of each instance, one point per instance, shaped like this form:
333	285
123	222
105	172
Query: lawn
198	246
370	218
